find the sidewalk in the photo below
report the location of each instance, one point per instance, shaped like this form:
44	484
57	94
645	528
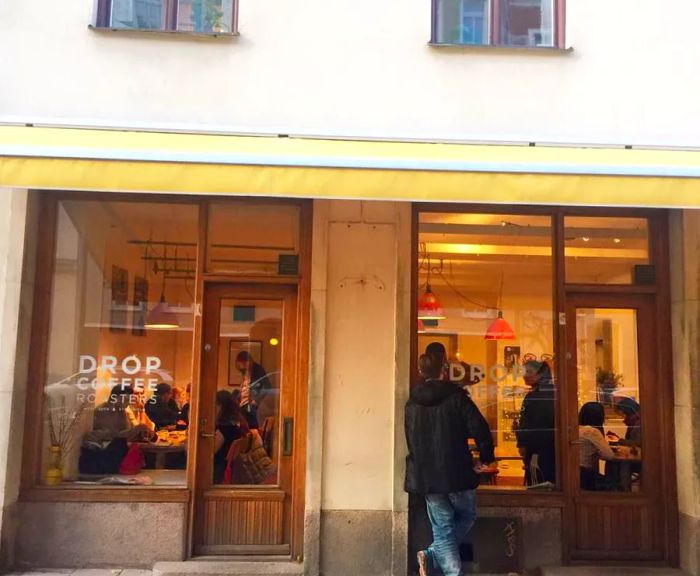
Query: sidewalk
550	571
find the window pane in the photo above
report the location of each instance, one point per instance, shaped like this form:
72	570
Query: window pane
606	250
462	22
138	14
205	16
527	22
477	268
120	343
248	391
253	239
610	416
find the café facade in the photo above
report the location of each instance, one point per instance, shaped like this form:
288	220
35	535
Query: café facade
136	259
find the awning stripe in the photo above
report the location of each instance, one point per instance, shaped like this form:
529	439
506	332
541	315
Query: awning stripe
73	159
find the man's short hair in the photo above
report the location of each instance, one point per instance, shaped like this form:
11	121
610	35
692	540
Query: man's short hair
430	366
436	349
243	356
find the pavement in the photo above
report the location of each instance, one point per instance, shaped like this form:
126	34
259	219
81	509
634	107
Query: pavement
549	571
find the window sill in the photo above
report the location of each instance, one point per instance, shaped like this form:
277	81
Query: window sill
105	494
498	48
165	33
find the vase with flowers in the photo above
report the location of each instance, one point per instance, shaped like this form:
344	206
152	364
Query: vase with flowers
63	421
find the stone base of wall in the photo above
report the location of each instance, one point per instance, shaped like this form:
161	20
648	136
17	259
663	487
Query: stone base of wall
356	542
541	533
690	544
92	534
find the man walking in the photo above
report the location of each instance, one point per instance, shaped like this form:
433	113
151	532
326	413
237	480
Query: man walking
440	418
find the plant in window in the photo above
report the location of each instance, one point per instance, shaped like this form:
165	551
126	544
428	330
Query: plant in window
607	382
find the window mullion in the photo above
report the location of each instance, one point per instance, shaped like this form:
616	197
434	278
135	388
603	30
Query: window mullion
171	9
495	22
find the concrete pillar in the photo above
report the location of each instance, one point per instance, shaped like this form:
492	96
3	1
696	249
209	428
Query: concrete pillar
355	290
685	292
16	290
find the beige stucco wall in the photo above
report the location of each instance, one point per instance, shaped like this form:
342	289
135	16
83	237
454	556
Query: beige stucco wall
358	300
360	67
685	286
17	213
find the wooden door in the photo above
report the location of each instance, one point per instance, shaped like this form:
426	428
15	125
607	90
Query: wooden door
615	509
244	496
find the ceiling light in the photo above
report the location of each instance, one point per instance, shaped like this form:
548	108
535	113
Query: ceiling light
617	240
585	238
161	317
429	307
500	329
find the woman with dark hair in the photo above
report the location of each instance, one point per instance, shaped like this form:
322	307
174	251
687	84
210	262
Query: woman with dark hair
230	425
113	426
535	430
594	446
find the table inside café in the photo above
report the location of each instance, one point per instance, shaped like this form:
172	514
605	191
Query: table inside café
173	442
621	468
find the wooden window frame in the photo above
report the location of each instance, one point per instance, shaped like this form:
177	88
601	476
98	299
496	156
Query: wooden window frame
104	10
31	488
495	40
658	256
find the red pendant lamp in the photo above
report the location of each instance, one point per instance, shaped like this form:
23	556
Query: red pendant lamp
499	329
429	307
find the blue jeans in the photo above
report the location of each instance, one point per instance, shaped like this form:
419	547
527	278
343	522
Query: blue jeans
451	516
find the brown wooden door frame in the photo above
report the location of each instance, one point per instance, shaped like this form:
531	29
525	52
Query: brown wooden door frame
292	405
653	495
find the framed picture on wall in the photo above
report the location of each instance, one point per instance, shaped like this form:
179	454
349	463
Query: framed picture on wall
119	305
236	346
139	306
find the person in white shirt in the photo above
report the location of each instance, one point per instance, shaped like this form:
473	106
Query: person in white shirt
594	447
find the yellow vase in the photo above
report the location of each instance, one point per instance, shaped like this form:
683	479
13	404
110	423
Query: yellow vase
54	475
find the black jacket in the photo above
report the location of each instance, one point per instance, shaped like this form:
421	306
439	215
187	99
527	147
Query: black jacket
440	419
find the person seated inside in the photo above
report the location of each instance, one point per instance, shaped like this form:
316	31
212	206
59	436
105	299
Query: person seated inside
631	414
593	447
159	409
114	425
230	426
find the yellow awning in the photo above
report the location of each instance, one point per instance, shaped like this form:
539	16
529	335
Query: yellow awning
132	161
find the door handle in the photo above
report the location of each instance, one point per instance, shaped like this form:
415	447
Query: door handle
288	437
206	435
574	442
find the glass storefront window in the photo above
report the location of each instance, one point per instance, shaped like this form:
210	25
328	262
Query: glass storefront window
248	391
253	239
486	295
610	411
606	250
119	363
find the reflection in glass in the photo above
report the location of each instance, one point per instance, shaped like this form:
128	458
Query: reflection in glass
138	14
610	432
205	16
481	266
605	250
106	369
462	22
248	395
527	22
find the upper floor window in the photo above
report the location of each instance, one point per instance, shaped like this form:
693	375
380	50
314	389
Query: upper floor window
527	23
194	16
